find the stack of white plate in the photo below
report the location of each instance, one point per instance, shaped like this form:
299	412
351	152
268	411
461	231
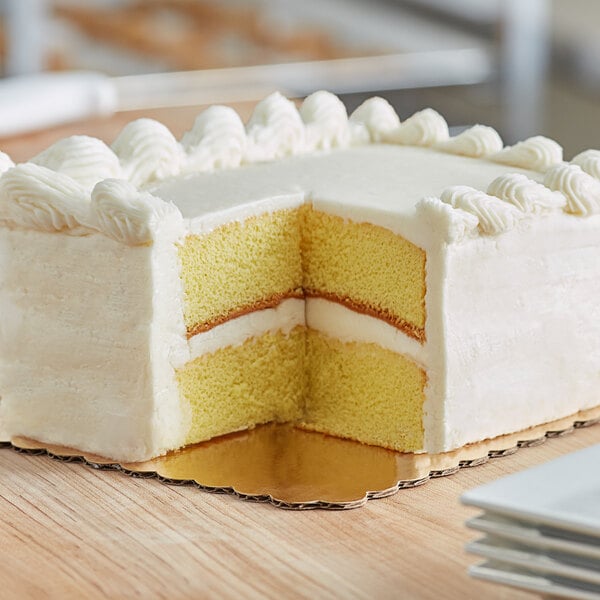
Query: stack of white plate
542	527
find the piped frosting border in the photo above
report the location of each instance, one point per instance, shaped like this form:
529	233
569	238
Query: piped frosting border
80	185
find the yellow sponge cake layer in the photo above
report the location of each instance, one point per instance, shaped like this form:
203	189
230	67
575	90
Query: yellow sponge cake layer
367	268
240	267
237	387
364	392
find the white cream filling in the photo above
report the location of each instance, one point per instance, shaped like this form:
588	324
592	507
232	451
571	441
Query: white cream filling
282	318
330	318
346	325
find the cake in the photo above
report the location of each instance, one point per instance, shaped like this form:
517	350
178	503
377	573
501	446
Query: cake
363	277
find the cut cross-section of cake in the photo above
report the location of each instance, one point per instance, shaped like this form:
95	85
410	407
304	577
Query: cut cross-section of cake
362	277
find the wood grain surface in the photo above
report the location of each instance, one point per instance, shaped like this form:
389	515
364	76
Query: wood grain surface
69	531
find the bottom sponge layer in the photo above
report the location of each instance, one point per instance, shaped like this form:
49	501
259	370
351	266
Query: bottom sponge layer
238	387
364	392
353	390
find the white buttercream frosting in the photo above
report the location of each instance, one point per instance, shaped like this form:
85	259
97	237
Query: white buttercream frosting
274	130
537	153
581	189
521	330
494	215
216	141
425	128
589	161
453	224
378	117
326	121
5	162
35	197
89	329
86	159
147	151
526	194
130	216
477	141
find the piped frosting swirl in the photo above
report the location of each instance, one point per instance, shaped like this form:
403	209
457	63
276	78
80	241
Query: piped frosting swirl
494	215
130	216
526	194
425	128
274	130
377	116
216	141
326	121
589	161
85	159
537	153
478	141
5	162
35	197
581	189
147	151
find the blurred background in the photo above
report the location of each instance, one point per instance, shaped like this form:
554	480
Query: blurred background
522	66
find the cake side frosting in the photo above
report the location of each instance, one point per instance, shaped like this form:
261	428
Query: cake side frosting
86	347
514	342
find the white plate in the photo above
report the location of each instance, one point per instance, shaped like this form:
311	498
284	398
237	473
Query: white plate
577	568
563	493
541	537
524	579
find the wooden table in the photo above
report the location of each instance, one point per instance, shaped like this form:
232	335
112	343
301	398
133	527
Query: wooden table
69	531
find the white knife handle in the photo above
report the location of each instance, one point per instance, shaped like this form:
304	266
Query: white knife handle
35	102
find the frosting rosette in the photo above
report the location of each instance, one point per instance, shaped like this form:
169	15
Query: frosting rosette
85	159
35	197
537	153
581	189
477	141
128	215
148	151
494	215
216	141
274	130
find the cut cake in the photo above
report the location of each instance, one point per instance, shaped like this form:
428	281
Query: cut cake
371	279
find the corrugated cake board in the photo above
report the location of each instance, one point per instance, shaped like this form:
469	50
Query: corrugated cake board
296	469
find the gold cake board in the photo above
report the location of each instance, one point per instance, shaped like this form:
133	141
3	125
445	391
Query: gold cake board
296	469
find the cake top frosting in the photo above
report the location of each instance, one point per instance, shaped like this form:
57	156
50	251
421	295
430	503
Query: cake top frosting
379	183
370	160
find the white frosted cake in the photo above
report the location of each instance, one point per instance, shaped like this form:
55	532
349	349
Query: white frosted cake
366	278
